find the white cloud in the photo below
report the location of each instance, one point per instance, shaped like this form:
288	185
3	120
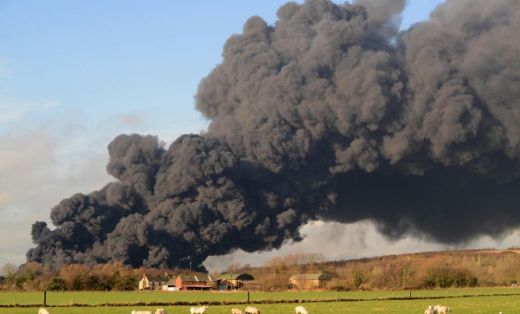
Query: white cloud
39	167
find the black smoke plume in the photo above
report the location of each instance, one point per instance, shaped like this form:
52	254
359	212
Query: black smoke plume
329	114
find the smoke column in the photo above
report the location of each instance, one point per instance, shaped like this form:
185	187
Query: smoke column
328	114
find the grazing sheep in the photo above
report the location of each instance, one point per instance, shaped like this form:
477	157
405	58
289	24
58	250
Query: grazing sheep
300	310
236	311
251	310
43	311
441	309
198	309
141	312
160	311
430	310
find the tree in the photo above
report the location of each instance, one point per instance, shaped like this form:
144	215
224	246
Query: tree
9	271
358	278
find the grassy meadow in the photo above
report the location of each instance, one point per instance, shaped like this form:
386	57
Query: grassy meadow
471	300
467	305
134	297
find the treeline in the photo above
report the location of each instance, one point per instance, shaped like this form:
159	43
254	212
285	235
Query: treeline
487	268
76	277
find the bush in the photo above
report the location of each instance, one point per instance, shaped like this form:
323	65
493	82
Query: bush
20	282
358	278
126	283
445	277
56	284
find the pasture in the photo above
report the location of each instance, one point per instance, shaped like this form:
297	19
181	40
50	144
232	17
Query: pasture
474	300
134	297
462	305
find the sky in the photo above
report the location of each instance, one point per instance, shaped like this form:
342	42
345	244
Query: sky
73	75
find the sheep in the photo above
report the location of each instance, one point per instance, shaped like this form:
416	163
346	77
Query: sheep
236	311
430	310
141	312
160	311
199	309
441	309
251	310
300	310
43	311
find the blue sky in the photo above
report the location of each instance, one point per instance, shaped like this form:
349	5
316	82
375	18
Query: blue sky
74	74
104	58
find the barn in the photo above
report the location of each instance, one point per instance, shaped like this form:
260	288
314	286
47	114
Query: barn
310	281
233	281
194	282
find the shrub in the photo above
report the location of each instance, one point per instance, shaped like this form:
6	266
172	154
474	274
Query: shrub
56	284
126	283
358	278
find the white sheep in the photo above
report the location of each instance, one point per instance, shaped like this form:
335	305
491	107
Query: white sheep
430	310
251	310
441	309
160	311
236	311
300	310
43	311
141	312
198	309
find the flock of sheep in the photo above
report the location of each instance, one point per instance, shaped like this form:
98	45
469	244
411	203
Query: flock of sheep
202	310
437	309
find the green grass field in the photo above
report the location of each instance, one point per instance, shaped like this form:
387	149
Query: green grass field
484	300
468	305
96	298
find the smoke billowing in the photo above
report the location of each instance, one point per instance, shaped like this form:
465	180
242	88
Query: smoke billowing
331	114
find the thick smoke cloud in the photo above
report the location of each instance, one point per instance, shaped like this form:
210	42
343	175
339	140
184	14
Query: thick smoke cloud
330	114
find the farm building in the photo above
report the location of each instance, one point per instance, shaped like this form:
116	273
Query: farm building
233	281
170	285
194	282
310	281
146	284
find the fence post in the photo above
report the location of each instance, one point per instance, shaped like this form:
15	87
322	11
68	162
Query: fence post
410	293
248	300
44	298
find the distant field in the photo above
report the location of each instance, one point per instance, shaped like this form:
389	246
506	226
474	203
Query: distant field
472	305
99	298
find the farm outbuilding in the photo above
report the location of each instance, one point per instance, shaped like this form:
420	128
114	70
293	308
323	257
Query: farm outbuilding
144	283
310	281
170	285
147	284
233	281
194	282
